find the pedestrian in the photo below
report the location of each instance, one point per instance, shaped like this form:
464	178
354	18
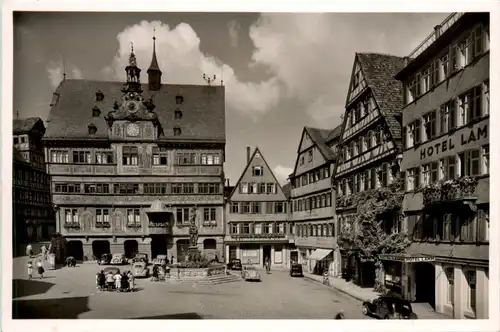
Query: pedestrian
29	250
101	280
172	259
39	265
30	270
216	259
167	271
340	315
131	281
97	279
44	252
118	281
110	280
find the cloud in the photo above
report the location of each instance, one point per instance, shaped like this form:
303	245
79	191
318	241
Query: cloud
234	29
182	62
282	173
56	69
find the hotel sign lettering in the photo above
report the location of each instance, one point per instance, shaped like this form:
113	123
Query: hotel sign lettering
461	139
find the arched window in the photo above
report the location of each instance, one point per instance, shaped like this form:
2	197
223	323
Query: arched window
470	276
451	280
310	230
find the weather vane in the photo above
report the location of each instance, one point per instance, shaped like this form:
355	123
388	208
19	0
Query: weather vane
208	79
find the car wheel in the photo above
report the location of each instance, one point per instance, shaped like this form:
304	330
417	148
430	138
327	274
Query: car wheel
364	310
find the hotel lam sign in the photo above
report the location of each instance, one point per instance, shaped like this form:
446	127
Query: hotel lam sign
464	138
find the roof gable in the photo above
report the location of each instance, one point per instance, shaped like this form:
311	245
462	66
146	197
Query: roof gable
202	107
357	83
257	160
27	125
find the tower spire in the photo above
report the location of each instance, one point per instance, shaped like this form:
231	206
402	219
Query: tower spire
133	72
154	72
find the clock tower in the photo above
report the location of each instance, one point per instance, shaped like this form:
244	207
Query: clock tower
133	117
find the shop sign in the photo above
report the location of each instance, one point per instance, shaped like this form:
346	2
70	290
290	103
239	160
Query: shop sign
391	280
462	139
400	258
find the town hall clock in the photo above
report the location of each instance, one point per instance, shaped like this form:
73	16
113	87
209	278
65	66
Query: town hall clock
132	129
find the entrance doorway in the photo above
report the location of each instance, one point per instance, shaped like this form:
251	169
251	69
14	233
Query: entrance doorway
294	257
100	247
158	245
131	248
182	250
425	281
266	250
232	253
75	249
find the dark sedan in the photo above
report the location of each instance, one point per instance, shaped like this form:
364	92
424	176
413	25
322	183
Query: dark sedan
234	264
389	307
296	270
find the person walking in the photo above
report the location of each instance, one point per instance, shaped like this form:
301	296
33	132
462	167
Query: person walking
110	280
30	270
118	282
131	281
39	265
29	250
44	252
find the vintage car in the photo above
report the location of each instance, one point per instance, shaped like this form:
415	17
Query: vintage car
389	307
112	269
105	259
140	257
250	273
296	270
118	259
160	260
140	270
234	264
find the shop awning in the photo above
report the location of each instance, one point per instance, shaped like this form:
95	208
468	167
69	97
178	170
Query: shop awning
406	258
319	254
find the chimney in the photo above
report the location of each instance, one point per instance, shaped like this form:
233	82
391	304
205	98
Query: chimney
405	61
227	182
437	31
248	154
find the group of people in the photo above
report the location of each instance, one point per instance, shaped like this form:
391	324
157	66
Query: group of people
39	266
120	282
165	269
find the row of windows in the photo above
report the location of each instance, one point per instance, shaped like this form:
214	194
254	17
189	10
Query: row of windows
309	157
31	196
468	163
134	216
304	230
20	139
361	110
130	156
257	228
467	107
137	188
458	226
258	188
363	142
372	178
312	202
30	212
31	176
311	177
454	58
256	207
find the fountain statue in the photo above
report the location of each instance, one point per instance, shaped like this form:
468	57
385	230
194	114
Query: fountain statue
193	229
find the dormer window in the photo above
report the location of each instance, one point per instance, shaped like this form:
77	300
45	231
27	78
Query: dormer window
99	96
177	131
178	114
96	111
179	99
92	129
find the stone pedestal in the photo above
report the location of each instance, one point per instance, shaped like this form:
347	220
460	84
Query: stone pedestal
193	249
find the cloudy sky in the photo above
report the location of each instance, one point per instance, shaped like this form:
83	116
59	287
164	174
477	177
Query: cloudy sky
281	71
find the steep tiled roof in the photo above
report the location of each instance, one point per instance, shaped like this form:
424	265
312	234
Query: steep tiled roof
203	111
379	71
23	126
335	133
319	137
17	156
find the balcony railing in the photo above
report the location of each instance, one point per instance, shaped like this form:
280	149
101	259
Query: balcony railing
450	190
445	25
259	236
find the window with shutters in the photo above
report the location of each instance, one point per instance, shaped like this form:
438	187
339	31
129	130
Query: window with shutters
448	116
470	276
486	160
160	156
430	126
245	207
483	225
130	155
244	188
447	227
470	163
234	228
235	207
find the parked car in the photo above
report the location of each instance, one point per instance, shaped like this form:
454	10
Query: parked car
296	270
234	264
105	259
118	259
112	269
140	270
389	307
140	257
250	273
160	260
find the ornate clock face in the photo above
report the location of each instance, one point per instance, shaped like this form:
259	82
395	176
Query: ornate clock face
132	129
132	106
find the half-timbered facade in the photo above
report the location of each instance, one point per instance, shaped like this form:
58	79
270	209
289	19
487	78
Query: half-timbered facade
311	200
32	214
130	163
447	166
369	145
257	221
